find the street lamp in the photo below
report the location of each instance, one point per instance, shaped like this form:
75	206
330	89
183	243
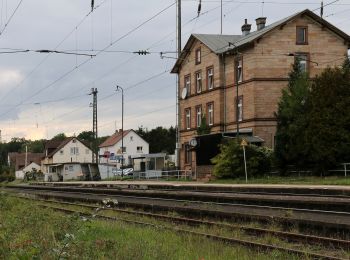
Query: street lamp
291	54
119	88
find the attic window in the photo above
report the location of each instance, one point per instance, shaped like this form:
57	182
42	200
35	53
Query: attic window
61	152
198	56
302	35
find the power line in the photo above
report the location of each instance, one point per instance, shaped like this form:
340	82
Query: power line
86	61
48	55
12	15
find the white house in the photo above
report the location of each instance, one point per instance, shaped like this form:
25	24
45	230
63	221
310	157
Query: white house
68	159
112	152
29	168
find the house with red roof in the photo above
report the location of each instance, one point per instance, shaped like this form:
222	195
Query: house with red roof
112	151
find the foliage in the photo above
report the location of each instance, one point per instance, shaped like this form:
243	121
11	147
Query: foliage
59	137
328	131
160	139
6	174
291	119
229	163
203	129
34	175
29	231
313	120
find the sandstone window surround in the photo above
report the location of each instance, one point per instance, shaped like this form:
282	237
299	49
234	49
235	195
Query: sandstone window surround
198	75
188	118
303	60
187	84
210	78
188	154
198	116
240	108
239	68
301	35
198	56
210	108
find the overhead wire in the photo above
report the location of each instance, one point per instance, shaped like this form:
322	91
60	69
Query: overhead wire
10	18
49	54
97	53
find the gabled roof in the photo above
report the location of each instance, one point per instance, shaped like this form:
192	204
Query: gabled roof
220	44
58	145
114	138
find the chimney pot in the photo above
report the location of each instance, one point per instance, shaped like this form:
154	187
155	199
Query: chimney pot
246	28
260	23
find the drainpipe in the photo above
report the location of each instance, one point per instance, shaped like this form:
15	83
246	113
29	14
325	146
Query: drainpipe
223	60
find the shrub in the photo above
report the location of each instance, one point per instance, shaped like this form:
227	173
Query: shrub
230	162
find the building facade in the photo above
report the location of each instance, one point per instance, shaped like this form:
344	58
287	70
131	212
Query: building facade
113	152
238	79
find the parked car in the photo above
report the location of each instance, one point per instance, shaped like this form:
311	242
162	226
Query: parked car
126	172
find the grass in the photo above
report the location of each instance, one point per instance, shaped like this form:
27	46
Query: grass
28	231
310	180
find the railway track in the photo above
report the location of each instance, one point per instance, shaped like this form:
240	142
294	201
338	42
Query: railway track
328	221
290	237
321	202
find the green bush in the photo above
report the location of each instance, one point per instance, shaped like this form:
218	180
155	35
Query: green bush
6	175
230	162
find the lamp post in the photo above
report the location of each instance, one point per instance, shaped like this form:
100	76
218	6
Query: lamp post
122	90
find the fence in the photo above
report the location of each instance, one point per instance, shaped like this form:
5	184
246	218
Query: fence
164	175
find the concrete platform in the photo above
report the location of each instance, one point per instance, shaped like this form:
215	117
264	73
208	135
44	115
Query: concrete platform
334	190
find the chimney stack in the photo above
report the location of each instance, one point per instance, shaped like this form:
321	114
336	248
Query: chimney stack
246	28
260	23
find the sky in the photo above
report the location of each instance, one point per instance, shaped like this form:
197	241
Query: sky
44	94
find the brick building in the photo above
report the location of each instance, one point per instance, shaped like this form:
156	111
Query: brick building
210	68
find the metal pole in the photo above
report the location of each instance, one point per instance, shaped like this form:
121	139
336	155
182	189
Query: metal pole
122	132
245	165
237	97
120	88
221	18
178	29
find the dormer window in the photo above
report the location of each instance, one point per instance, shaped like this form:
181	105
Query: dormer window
198	56
302	35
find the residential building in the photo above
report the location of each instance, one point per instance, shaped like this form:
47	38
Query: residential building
21	160
69	159
236	81
113	152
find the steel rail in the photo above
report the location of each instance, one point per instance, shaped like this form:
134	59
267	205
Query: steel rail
335	213
289	236
257	245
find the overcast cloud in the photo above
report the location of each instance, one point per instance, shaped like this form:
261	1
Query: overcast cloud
42	95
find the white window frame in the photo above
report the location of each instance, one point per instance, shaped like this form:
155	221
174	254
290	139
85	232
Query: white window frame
188	118
188	84
74	150
303	60
210	76
199	82
198	56
240	108
139	149
199	115
210	114
240	70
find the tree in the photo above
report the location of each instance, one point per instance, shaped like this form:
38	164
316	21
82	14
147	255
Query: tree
160	139
229	163
203	129
292	120
87	136
59	137
328	131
